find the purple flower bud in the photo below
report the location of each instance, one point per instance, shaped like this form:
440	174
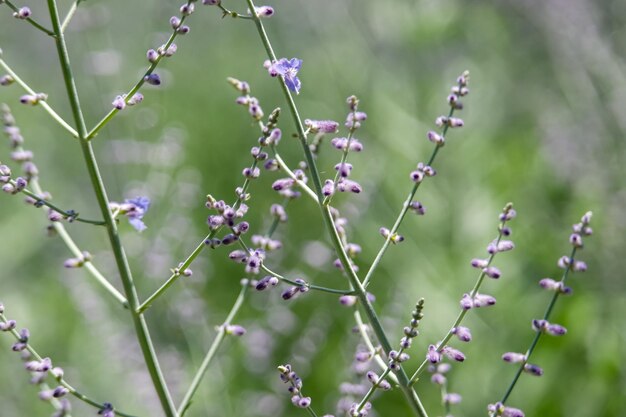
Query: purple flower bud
8	326
417	208
576	240
480	263
501	410
251	173
238	256
454	354
283	183
555	330
152	79
579	266
187	8
135	99
6	80
564	262
492	272
463	333
433	355
513	357
321	126
455	122
505	245
302	402
347	300
328	188
436	138
384	232
363	356
119	103
235	330
344	169
438	379
344	185
290	293
533	369
229	239
466	302
384	385
372	377
274	137
22	13
452	398
211	2
152	55
60	391
417	176
264	11
406	342
484	300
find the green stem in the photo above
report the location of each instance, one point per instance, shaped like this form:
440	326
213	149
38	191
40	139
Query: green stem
30	20
462	313
43	104
141	328
370	346
67	214
361	294
403	211
70	14
221	333
533	344
61	381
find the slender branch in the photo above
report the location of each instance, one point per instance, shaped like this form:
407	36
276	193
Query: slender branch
370	346
403	211
43	104
61	381
71	214
535	340
30	19
283	165
106	119
141	328
221	333
403	379
70	14
462	313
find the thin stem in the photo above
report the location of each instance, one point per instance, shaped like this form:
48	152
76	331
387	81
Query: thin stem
69	242
141	328
403	379
292	175
221	333
462	313
61	381
106	119
30	20
226	12
370	346
535	340
43	104
71	214
403	211
70	14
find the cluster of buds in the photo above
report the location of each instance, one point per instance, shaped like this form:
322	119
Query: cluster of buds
288	376
394	238
351	249
226	216
422	171
285	186
39	368
498	409
252	103
78	261
120	102
253	258
435	354
300	287
22	13
33	99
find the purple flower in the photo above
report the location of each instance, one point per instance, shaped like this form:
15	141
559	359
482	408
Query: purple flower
288	68
135	209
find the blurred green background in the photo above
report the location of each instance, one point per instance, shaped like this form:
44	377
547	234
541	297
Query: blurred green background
545	129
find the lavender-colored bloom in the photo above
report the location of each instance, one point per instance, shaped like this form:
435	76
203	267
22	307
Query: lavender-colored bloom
152	79
235	330
492	272
417	176
238	256
513	357
152	55
433	355
119	103
436	138
6	80
107	410
579	266
264	11
265	282
363	356
135	209
301	402
463	333
417	207
347	300
505	245
22	13
503	411
555	330
8	326
454	354
452	398
533	369
344	169
484	300
466	302
328	188
135	99
282	184
438	379
479	263
288	68
321	126
344	185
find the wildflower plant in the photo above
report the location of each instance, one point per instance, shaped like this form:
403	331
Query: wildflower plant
383	361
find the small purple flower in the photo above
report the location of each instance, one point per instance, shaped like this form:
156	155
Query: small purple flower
288	68
135	209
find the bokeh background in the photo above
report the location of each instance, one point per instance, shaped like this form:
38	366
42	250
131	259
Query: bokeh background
545	129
